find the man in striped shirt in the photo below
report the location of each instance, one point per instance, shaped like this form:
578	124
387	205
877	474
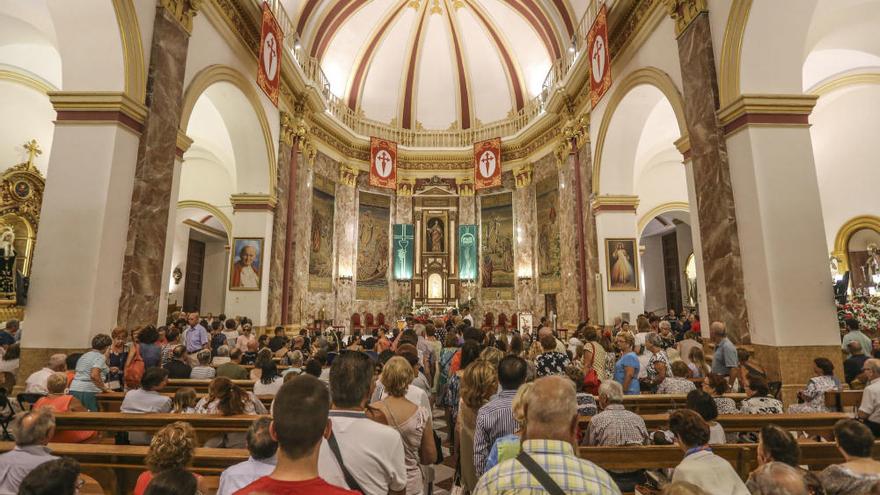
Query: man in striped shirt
495	419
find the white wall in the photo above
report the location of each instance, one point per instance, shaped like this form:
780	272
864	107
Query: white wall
253	304
27	114
653	276
685	247
617	225
214	274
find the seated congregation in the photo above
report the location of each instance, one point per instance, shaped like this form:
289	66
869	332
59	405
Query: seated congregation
434	406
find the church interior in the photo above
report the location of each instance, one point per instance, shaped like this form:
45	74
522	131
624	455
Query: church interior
347	167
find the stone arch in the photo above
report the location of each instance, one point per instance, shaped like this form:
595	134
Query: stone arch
841	241
650	76
659	210
213	210
222	74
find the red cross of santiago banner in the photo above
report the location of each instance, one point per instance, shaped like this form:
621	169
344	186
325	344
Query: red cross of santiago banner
600	58
383	163
269	68
487	163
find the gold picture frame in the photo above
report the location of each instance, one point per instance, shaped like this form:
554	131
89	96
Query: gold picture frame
622	264
240	260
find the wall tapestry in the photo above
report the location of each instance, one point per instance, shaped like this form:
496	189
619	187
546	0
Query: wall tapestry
549	263
496	241
467	252
321	236
404	246
374	214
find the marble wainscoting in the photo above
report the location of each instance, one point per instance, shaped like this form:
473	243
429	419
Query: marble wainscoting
722	260
568	299
154	175
591	238
278	247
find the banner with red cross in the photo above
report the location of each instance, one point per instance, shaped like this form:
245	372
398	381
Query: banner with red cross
383	163
487	163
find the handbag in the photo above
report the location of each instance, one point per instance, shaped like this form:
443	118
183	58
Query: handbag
135	370
591	378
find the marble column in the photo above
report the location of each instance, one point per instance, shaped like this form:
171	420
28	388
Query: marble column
715	205
154	172
279	249
526	239
299	310
568	299
590	239
345	227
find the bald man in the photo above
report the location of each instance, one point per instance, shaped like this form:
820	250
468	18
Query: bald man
776	477
32	431
548	443
725	362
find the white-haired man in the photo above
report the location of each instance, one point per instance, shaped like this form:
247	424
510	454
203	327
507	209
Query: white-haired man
36	383
617	427
726	361
869	409
32	431
548	461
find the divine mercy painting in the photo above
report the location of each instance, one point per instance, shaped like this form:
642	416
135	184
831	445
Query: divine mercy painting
622	264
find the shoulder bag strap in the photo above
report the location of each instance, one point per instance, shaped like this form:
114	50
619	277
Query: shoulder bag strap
349	479
592	357
539	473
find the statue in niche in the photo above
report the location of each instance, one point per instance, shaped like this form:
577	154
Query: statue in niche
872	264
7	240
435	236
7	262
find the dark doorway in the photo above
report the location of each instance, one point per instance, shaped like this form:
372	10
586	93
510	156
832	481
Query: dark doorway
671	272
195	267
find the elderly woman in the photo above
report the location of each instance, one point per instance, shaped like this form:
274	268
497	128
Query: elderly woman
626	369
678	383
116	358
658	364
228	399
58	401
91	373
716	386
700	466
813	396
172	447
594	353
478	384
508	446
759	400
667	338
411	421
860	472
222	356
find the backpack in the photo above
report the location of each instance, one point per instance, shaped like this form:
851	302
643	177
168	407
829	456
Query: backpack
135	369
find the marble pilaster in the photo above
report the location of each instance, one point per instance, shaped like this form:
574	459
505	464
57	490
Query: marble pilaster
299	310
591	239
279	244
526	237
154	174
345	226
568	299
722	259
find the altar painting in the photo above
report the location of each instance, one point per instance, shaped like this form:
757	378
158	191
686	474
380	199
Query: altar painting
549	262
374	213
321	236
435	226
496	244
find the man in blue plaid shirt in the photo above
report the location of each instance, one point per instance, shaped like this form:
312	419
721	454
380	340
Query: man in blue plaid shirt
550	437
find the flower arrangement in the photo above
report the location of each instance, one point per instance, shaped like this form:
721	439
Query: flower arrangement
866	310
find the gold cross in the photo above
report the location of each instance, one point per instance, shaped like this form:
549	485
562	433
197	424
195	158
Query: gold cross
33	150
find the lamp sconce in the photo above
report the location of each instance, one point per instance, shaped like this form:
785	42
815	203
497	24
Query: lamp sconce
345	279
468	283
177	274
523	279
402	282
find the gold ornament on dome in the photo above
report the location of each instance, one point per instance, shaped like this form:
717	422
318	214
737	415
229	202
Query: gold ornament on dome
435	7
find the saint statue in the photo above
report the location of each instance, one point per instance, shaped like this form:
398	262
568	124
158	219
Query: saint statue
7	262
872	264
435	237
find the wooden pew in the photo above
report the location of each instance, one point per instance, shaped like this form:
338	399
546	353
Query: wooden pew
661	403
114	421
736	423
201	386
112	401
844	401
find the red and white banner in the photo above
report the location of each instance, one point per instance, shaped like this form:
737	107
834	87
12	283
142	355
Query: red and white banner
487	163
600	57
271	41
383	163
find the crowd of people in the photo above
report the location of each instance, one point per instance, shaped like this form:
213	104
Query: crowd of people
374	411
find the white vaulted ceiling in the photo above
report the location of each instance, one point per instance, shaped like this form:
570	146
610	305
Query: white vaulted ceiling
435	64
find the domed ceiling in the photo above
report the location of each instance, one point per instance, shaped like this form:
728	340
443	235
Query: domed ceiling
435	64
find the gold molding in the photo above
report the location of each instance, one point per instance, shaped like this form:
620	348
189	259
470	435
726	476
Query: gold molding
628	35
348	175
182	11
523	175
683	145
731	51
659	210
646	75
205	229
683	12
259	202
132	49
766	104
213	210
30	80
221	73
97	101
846	231
615	203
183	141
868	78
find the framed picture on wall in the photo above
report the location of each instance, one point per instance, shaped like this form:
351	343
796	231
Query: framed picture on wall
246	269
622	264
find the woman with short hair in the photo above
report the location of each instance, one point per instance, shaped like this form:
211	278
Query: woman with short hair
204	370
813	396
626	369
116	358
716	385
172	447
59	401
700	466
859	472
411	421
91	373
759	400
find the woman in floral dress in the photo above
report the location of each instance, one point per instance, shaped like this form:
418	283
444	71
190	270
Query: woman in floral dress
813	396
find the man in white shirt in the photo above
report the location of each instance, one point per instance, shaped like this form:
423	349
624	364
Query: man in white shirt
36	383
261	462
372	453
869	409
32	431
147	399
466	316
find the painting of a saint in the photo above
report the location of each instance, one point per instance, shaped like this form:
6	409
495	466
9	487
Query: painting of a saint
246	263
496	241
373	255
321	241
622	264
549	246
434	234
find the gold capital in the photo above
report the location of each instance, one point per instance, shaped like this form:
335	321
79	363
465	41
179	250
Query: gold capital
683	12
405	187
523	175
348	175
465	187
182	11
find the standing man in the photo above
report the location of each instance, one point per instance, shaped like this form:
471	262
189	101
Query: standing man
725	362
195	336
869	409
855	334
466	312
495	419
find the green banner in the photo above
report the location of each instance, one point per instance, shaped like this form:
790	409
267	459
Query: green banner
404	243
467	252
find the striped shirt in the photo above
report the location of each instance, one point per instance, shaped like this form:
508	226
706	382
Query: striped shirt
202	373
573	474
494	420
